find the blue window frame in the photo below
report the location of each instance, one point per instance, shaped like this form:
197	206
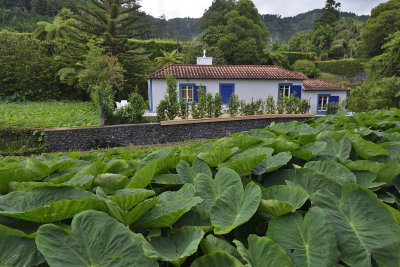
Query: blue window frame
225	91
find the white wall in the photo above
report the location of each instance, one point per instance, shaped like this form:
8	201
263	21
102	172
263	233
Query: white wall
245	89
312	97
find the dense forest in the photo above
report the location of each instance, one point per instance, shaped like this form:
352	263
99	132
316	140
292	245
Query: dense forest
22	16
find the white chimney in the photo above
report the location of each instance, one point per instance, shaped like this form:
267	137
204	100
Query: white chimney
204	60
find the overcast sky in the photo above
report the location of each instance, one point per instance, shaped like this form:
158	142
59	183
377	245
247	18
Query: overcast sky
286	8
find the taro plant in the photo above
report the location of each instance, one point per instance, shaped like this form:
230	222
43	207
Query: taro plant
217	105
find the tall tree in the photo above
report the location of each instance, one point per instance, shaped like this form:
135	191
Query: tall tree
384	20
108	19
330	15
215	15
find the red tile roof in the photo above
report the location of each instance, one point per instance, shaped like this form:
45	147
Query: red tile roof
319	85
248	72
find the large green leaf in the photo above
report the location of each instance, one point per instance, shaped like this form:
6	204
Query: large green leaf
217	259
336	150
48	204
25	171
282	199
212	244
273	163
143	177
95	239
282	144
312	181
188	173
246	161
310	241
111	181
18	248
334	170
210	189
243	142
83	182
366	149
126	199
176	247
310	150
170	207
235	207
364	226
215	156
263	252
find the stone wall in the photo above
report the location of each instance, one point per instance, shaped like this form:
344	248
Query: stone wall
85	138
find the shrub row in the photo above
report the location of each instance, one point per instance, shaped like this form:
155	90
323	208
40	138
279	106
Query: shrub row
295	56
344	67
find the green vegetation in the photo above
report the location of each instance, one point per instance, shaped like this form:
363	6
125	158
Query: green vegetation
222	201
344	67
306	67
48	114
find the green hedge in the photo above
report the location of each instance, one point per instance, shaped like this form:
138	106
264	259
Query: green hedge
154	47
344	67
295	56
28	69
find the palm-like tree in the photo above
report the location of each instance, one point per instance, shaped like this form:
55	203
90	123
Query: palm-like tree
58	29
169	58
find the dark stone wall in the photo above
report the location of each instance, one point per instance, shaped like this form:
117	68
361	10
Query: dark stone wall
70	139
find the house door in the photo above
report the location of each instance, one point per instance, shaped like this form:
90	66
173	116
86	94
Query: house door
226	90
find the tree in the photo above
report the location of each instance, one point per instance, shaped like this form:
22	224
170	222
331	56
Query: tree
60	27
300	42
108	19
330	15
306	67
384	20
348	34
173	57
243	38
322	38
215	15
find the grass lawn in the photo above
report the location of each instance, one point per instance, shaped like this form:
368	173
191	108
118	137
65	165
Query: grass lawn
48	114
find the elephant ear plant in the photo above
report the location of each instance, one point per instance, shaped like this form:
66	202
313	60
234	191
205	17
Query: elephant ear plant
324	192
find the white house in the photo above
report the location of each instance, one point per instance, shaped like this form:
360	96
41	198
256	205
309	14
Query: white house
247	81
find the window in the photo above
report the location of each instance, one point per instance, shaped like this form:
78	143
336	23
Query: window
323	103
187	93
284	90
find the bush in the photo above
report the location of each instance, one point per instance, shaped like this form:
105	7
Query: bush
259	107
209	105
196	114
183	109
103	96
333	108
295	56
137	107
217	105
280	105
172	98
324	57
344	67
270	105
233	105
304	106
162	110
306	67
202	104
28	69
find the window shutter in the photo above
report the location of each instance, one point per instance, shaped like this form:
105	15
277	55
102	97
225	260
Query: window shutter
226	92
333	99
195	95
297	89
